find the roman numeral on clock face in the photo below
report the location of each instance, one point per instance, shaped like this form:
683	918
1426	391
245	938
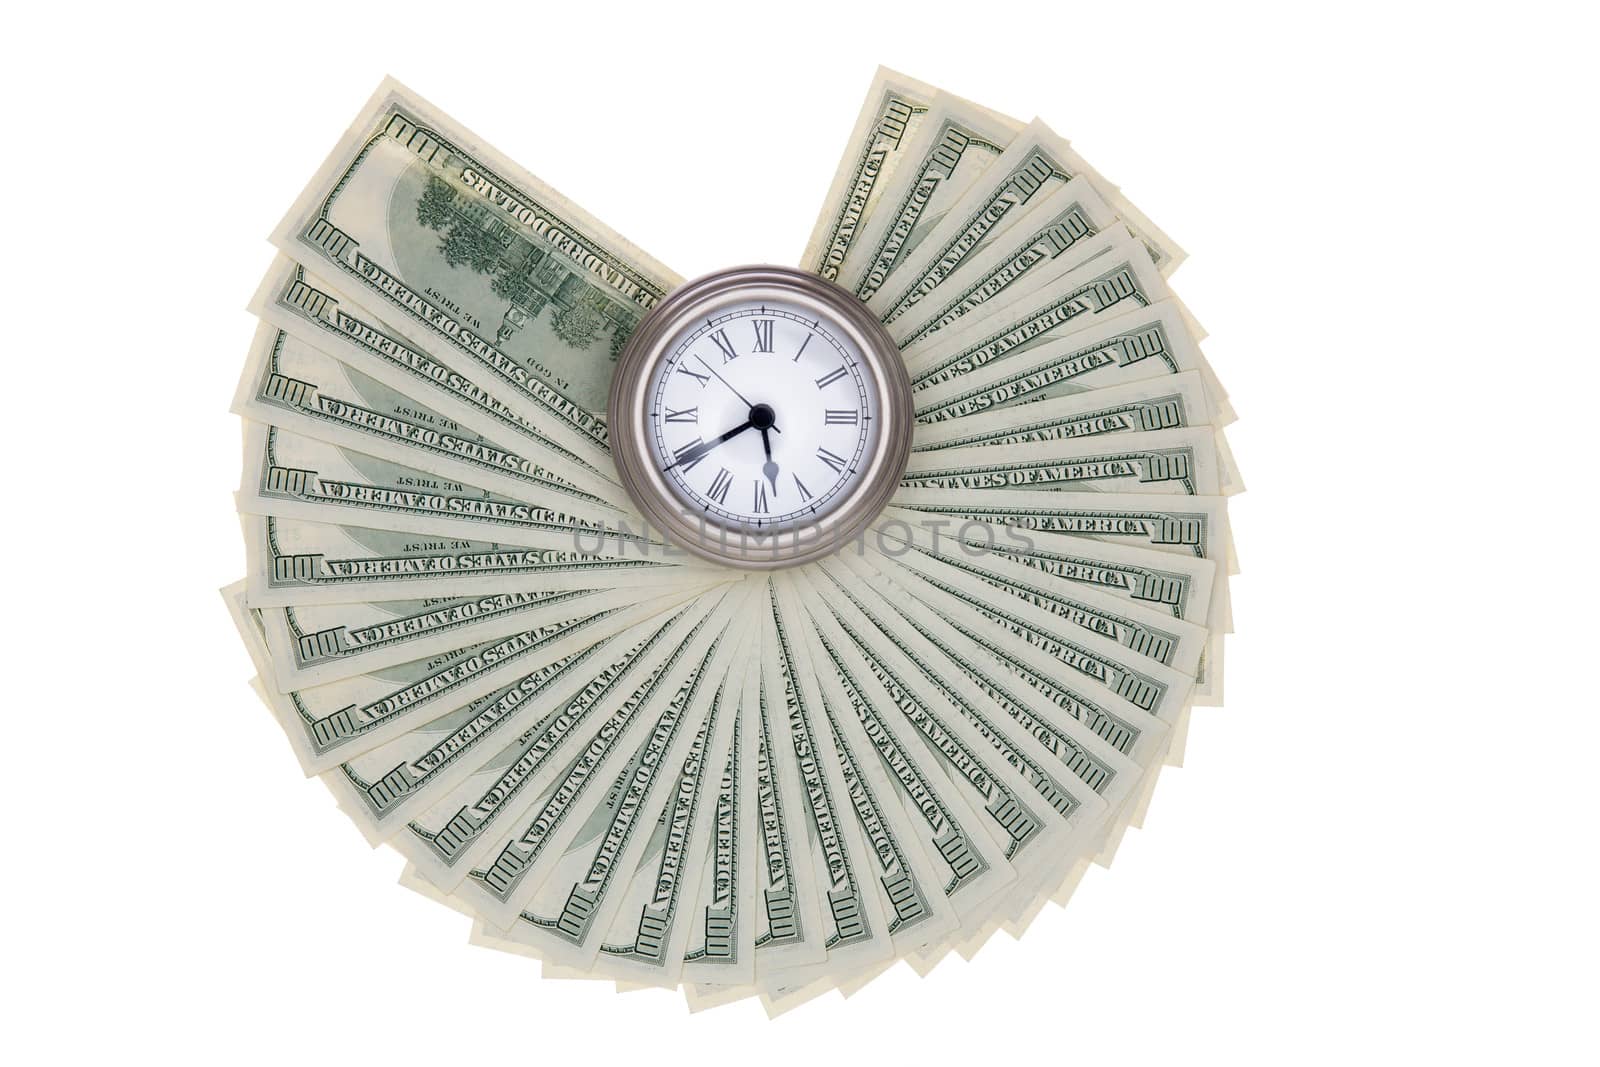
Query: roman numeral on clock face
828	379
837	417
686	415
722	342
702	378
763	335
836	462
678	454
719	486
760	505
805	494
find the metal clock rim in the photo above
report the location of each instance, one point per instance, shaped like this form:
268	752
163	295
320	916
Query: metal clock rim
627	415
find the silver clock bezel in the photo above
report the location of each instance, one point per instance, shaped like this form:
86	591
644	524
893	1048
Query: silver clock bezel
629	428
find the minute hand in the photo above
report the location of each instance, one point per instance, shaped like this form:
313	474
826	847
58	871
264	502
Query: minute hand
724	381
729	384
706	446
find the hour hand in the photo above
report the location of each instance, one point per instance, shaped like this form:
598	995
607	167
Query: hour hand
769	469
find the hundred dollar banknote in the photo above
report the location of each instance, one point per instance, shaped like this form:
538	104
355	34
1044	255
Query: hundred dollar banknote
1136	408
1117	694
386	789
1035	164
1054	687
1151	461
445	838
1115	275
1051	232
477	262
884	128
328	723
1047	816
1130	651
290	475
1144	630
291	384
301	304
718	938
990	373
1176	586
790	928
1060	742
969	860
720	947
536	774
319	643
647	936
1121	580
1026	319
557	882
1156	403
1194	526
1103	741
295	562
500	870
918	912
855	922
1190	526
955	143
585	904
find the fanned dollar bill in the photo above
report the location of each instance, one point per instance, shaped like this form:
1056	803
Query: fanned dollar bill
631	764
328	723
1048	819
1133	407
890	116
1151	461
1050	232
855	924
1114	274
955	143
291	384
476	261
1177	586
295	562
789	924
313	644
1035	165
444	839
294	476
986	369
1194	526
301	304
553	887
720	948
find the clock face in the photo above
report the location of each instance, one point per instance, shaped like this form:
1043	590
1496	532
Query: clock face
761	414
759	417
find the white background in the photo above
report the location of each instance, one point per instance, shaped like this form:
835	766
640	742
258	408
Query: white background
1383	846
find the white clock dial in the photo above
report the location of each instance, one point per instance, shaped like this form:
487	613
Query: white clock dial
760	417
761	414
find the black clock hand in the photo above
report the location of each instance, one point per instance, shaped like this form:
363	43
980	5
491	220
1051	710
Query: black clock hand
725	381
729	384
769	468
706	446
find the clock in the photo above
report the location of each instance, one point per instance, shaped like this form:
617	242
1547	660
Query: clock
760	417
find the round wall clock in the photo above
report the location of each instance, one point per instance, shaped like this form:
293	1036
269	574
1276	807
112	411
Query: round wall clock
760	417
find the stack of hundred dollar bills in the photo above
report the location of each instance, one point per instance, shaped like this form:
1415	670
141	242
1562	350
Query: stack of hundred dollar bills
648	769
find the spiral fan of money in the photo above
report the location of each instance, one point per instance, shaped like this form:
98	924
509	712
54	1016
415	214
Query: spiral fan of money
641	765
